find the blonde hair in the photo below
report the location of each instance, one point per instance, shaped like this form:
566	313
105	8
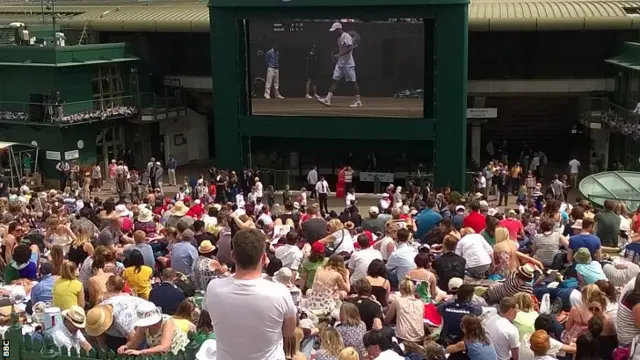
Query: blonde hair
502	234
68	270
292	347
57	259
331	341
466	231
336	225
587	293
406	287
348	354
349	314
524	301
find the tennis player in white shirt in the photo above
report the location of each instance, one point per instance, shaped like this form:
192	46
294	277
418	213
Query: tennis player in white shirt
345	66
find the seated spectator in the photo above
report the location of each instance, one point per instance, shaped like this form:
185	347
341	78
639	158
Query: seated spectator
476	251
514	282
24	264
378	346
144	222
204	328
206	267
201	233
380	286
311	264
370	310
184	254
140	239
503	335
408	313
69	334
43	290
449	265
452	313
352	328
138	275
474	341
167	296
401	261
284	276
67	289
184	316
588	271
289	253
527	315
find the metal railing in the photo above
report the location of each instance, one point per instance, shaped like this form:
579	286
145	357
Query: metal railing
98	109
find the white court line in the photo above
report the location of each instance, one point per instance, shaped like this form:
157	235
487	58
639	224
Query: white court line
271	110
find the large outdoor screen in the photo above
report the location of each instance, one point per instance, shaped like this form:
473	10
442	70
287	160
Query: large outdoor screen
339	67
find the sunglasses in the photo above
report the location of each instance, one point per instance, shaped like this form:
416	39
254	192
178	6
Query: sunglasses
595	309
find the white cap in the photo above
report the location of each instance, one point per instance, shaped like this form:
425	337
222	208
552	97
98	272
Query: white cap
374	210
336	25
492	212
460	208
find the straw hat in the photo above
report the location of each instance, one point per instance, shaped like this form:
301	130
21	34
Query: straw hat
75	314
526	272
145	215
206	247
147	314
349	225
99	320
179	209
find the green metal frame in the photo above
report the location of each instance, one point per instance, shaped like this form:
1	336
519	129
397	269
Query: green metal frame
444	118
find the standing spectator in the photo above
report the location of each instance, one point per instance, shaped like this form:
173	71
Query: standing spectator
322	188
157	175
167	295
348	177
268	317
503	335
63	171
608	224
96	177
574	169
113	174
313	70
172	164
312	180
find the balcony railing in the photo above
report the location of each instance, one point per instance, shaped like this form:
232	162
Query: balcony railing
69	113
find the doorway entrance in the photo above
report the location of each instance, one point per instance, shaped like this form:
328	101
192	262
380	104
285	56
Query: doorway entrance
110	145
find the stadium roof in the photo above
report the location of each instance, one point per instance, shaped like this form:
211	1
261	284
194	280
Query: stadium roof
190	16
612	185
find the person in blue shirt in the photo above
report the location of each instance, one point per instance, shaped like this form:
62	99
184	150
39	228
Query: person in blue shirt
585	239
41	292
427	219
272	59
453	311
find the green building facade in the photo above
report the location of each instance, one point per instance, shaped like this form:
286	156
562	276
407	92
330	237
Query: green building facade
439	129
82	103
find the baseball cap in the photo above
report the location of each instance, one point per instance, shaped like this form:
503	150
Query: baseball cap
460	208
336	25
317	248
455	283
577	224
374	210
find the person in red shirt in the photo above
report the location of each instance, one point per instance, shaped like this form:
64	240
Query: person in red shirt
475	219
516	230
196	211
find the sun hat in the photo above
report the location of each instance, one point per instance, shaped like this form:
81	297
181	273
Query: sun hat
122	211
577	224
526	272
374	210
478	195
206	247
317	248
582	256
147	314
208	350
145	215
99	320
284	276
179	209
455	283
349	225
75	314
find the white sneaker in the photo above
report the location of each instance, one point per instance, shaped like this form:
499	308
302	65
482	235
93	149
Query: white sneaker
267	97
324	101
309	96
356	104
279	96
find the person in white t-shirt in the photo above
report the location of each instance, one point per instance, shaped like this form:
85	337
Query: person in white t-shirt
503	334
574	169
253	317
360	260
290	254
258	189
556	348
350	197
345	66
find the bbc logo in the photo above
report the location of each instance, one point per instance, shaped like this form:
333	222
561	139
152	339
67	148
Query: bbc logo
5	349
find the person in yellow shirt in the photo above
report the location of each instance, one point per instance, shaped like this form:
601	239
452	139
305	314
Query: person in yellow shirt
138	275
67	289
184	316
516	172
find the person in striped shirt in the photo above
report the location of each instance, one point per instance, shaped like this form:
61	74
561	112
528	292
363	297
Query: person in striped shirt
514	282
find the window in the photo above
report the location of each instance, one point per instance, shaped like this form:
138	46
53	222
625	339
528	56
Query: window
107	88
